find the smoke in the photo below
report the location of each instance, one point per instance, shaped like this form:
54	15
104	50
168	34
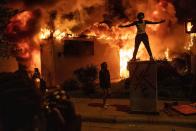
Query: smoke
69	15
72	14
30	4
24	24
161	36
76	15
169	35
97	17
20	31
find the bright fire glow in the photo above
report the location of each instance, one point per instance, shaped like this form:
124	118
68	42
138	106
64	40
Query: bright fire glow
167	55
36	61
189	26
191	42
193	37
122	38
58	35
45	33
125	56
115	36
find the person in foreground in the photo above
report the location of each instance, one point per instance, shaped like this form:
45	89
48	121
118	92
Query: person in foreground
141	34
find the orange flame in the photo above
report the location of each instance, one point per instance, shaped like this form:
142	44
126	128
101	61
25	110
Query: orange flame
115	36
167	55
36	60
123	38
125	56
44	33
189	26
58	35
190	43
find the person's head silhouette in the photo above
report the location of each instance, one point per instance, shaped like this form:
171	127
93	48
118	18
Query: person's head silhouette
104	66
140	15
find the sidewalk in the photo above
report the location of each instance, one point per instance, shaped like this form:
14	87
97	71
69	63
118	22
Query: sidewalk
118	112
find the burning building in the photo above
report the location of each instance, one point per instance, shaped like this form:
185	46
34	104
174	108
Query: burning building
59	61
59	36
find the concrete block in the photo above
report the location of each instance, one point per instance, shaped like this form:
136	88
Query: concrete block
143	86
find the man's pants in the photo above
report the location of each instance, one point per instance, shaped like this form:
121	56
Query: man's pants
141	38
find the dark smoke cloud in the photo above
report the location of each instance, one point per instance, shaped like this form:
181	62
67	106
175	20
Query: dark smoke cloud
32	3
115	8
185	9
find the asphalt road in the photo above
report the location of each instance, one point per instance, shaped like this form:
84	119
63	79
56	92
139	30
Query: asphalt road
91	126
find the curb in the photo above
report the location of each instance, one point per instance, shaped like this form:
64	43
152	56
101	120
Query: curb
137	120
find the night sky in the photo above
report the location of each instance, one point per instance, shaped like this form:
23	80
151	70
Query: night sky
184	8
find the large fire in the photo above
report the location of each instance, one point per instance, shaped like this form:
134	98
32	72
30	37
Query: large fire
60	25
191	41
125	56
102	32
44	33
192	36
21	30
19	22
122	38
59	35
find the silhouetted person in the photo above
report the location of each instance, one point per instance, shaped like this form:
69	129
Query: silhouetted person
39	82
36	73
63	115
19	102
104	80
141	34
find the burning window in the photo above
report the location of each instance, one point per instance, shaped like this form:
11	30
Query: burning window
78	48
190	26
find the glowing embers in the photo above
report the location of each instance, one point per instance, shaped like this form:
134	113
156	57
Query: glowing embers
190	26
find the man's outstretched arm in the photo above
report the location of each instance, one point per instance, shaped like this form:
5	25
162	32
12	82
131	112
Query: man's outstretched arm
132	24
151	22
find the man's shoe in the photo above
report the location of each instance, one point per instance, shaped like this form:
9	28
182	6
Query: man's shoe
133	59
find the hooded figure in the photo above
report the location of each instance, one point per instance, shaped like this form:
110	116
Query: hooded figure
104	81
